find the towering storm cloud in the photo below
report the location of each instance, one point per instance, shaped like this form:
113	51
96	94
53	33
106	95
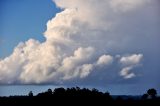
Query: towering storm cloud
87	36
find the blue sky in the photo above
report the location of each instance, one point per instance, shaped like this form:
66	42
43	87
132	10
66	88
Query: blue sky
114	46
23	19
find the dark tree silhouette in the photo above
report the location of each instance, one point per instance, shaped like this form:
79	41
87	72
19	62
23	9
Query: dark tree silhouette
145	96
50	91
30	94
81	96
152	93
59	91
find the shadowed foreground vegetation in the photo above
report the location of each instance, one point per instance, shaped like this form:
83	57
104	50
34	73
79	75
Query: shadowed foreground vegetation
77	96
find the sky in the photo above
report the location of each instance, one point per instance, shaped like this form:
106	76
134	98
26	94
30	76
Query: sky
22	20
110	44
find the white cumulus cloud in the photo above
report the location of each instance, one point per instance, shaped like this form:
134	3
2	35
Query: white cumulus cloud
126	73
104	60
130	62
77	42
132	59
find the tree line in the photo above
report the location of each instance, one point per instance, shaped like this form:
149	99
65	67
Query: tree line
80	96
